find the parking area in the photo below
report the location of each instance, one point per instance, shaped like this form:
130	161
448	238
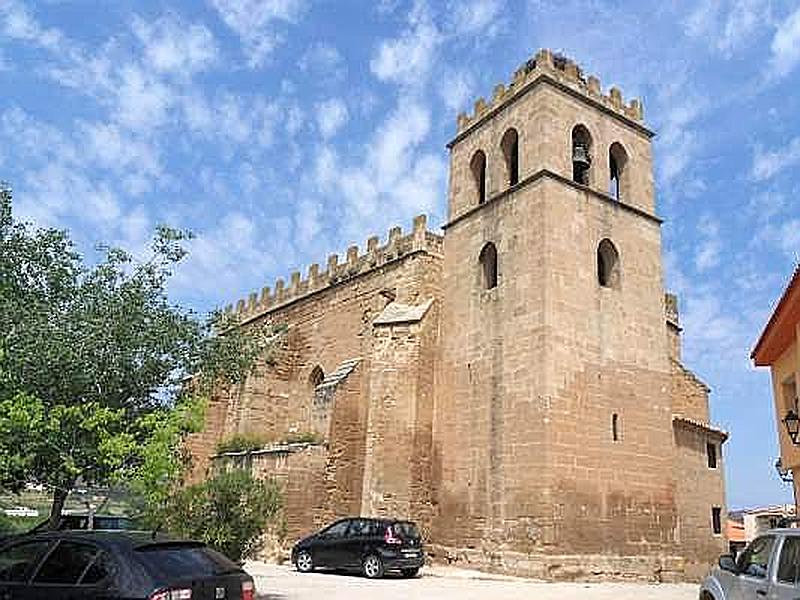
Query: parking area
277	582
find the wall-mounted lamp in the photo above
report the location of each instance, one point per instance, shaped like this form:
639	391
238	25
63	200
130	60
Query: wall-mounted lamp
792	422
784	473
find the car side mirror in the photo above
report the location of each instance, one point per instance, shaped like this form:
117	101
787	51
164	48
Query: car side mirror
726	563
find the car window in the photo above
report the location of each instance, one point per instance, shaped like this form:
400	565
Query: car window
337	529
97	571
755	559
789	565
18	561
360	528
67	563
406	530
184	560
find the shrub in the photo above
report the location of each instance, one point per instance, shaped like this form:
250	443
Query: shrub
229	512
241	442
309	437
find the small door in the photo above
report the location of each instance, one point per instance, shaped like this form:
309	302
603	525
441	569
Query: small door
328	547
752	582
787	576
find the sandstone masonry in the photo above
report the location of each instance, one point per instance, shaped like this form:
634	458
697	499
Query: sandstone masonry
515	386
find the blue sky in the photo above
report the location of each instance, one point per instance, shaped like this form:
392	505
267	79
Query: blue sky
283	130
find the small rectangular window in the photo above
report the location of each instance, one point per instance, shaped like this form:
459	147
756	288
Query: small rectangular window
711	450
716	520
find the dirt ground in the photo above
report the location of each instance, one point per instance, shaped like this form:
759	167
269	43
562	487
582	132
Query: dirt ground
275	582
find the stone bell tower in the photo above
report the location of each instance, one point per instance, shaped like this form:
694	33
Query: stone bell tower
553	426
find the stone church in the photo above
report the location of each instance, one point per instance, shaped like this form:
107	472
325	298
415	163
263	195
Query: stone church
513	384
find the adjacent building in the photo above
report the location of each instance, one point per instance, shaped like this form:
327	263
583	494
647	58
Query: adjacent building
777	348
513	384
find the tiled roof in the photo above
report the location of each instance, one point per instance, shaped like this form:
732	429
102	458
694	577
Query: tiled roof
700	425
761	354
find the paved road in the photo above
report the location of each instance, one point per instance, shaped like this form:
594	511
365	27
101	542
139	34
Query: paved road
440	583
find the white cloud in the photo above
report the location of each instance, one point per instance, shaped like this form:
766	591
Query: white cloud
476	16
707	254
727	25
456	90
786	46
324	63
173	46
408	58
331	116
768	163
17	23
254	22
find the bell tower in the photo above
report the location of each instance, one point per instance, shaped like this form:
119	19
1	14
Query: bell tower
552	428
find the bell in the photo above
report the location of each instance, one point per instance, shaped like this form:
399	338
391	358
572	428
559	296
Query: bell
580	156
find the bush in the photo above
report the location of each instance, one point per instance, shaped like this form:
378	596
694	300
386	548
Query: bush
229	512
308	437
241	442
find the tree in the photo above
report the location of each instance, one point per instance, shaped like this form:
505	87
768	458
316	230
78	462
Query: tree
94	361
229	512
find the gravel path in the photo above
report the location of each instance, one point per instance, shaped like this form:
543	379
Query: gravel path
275	582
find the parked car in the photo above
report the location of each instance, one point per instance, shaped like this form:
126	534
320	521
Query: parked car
82	521
769	568
371	546
94	565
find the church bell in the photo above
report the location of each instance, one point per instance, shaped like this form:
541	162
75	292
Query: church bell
580	156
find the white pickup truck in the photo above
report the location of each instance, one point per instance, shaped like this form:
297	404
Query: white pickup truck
768	569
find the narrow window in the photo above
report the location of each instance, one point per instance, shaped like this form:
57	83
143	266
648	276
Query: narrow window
789	392
488	260
510	147
317	377
617	161
615	427
581	154
716	520
711	451
608	264
478	166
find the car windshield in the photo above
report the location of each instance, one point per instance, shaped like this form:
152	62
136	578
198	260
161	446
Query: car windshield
184	559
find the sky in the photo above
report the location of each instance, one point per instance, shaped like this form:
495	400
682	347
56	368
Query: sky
281	131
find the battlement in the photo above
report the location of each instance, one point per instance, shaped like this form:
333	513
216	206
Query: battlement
566	72
355	264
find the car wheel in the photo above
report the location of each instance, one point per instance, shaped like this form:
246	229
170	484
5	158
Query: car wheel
304	562
408	573
372	567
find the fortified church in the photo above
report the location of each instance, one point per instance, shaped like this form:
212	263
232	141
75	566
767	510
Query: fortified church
514	384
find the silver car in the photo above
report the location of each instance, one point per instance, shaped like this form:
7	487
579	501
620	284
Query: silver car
768	568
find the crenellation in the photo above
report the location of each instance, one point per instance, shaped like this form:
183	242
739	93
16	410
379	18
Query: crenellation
397	245
565	71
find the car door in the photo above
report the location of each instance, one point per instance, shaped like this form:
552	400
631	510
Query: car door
18	561
71	571
354	544
328	547
787	575
752	583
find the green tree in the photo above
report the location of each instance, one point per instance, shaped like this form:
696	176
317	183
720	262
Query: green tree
94	360
230	512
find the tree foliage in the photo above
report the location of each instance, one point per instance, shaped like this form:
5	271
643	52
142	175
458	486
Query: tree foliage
230	512
94	361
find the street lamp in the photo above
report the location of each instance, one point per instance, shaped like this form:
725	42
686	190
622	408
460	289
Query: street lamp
792	422
784	473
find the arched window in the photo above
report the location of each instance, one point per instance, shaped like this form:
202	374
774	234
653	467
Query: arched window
510	146
615	433
478	166
608	264
488	260
581	155
617	161
317	377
